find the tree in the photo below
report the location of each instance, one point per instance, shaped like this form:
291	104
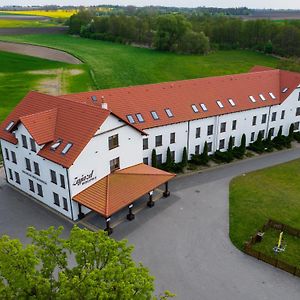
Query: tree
230	144
169	160
154	159
204	155
193	43
103	267
291	130
184	160
243	143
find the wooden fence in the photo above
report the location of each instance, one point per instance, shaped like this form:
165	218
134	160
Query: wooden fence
267	258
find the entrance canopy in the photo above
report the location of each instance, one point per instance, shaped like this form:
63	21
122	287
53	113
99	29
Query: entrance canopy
121	188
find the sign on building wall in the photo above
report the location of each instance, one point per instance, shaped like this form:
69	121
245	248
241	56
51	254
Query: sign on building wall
84	179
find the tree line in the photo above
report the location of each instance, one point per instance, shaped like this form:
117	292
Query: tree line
189	33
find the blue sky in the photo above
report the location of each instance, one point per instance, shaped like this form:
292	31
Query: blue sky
287	4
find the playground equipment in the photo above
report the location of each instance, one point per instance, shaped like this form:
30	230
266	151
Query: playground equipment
280	247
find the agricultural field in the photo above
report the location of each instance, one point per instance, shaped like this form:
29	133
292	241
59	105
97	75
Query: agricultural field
272	193
115	65
15	23
62	14
19	74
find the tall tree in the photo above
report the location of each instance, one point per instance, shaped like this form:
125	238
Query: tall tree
153	158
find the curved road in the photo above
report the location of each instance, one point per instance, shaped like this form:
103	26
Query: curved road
39	51
183	239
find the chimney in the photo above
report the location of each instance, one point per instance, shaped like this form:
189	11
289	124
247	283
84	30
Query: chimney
103	103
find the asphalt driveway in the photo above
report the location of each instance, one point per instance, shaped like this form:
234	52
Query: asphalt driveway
183	239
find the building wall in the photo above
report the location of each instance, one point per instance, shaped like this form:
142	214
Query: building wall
43	179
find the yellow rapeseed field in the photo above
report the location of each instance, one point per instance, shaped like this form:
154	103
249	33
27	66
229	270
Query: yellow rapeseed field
45	13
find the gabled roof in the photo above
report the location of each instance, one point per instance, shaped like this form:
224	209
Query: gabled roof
179	96
106	196
41	125
75	123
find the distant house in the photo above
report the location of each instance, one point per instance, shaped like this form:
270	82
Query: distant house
92	150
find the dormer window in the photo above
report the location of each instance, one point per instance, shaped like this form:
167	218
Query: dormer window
220	104
195	108
56	145
272	96
94	98
154	115
67	148
130	119
262	97
9	126
231	102
203	106
169	112
140	118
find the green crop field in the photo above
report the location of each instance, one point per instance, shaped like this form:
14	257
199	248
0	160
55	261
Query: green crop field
19	74
14	23
272	193
115	65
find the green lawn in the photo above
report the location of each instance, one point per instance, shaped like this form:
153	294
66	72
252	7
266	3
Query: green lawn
17	78
272	193
291	255
116	65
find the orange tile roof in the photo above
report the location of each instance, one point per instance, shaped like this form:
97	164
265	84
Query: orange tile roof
121	188
180	95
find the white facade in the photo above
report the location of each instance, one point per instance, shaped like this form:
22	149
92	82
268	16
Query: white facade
93	163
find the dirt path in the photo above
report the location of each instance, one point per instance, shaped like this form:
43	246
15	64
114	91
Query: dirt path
39	51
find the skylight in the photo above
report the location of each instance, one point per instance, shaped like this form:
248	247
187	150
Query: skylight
272	95
262	97
67	148
169	112
56	145
232	103
285	90
9	126
140	118
94	98
130	119
203	106
252	99
154	115
220	104
195	108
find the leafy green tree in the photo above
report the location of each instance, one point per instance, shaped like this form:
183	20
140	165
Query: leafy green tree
103	267
193	43
204	155
169	160
230	144
154	159
184	160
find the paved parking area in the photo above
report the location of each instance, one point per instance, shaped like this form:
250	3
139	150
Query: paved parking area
184	238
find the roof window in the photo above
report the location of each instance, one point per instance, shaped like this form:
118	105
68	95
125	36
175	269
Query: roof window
169	112
94	98
154	115
232	103
140	118
203	106
195	108
130	119
67	148
272	95
9	126
252	99
262	97
56	145
220	104
285	90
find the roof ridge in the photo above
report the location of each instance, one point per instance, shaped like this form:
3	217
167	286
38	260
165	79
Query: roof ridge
107	194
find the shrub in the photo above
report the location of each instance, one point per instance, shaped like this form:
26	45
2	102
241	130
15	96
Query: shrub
154	159
258	145
226	156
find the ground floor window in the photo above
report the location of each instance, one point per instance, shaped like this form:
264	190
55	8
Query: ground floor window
40	190
173	155
296	126
17	175
56	199
222	144
65	204
159	159
252	136
197	150
146	160
209	147
31	186
10	174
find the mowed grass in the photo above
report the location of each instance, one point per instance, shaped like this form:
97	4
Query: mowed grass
17	78
14	23
64	14
272	193
116	65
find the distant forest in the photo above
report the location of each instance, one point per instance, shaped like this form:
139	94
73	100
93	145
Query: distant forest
188	31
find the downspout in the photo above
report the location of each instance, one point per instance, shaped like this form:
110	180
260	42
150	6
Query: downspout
268	122
5	171
188	141
71	206
216	135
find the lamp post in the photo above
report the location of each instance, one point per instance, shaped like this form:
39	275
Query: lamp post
150	203
130	216
108	228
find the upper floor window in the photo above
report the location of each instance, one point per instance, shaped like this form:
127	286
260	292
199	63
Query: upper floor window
158	141
282	114
32	145
145	144
198	132
254	120
273	116
113	141
223	127
13	157
264	119
114	164
233	125
210	129
62	181
24	141
298	111
36	168
172	137
53	176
